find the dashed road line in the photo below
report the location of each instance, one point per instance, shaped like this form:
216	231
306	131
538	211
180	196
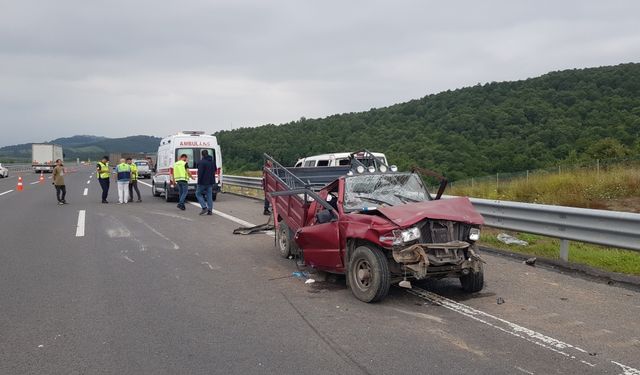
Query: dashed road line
6	192
86	190
88	182
34	182
80	227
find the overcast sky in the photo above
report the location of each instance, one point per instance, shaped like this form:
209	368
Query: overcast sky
155	67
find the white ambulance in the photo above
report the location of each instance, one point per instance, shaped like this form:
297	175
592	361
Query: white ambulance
190	143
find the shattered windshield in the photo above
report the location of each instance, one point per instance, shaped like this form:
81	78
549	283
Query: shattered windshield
383	190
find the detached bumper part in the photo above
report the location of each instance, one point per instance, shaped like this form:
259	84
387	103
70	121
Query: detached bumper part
418	257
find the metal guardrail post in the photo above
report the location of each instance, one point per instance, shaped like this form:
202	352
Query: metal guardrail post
564	249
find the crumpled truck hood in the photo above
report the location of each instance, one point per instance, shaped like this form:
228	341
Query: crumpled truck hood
454	209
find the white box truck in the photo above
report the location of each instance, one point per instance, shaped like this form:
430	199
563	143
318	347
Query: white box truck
44	157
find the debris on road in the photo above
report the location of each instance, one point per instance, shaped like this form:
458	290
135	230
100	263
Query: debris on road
510	240
256	229
300	275
500	301
531	261
309	281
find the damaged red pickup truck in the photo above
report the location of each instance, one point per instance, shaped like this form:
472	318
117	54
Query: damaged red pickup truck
374	224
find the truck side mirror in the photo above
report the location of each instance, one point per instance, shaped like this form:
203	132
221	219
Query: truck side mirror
324	216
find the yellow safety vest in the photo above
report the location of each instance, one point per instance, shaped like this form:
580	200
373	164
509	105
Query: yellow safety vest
104	170
134	172
179	171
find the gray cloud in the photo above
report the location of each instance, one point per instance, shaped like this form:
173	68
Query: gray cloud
147	67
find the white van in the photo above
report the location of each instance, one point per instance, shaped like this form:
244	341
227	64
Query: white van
190	143
335	159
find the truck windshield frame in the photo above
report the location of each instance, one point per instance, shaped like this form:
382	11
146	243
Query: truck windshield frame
194	155
390	189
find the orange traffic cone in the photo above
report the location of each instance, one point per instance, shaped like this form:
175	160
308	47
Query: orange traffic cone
19	187
42	177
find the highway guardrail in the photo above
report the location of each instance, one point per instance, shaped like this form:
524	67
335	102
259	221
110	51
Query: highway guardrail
601	227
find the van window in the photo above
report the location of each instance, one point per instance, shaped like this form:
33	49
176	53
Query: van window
322	163
310	163
344	162
194	155
299	164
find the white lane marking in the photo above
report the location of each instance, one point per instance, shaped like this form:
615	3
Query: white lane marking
86	190
525	371
34	182
129	259
89	181
80	227
139	220
510	328
626	370
6	192
211	267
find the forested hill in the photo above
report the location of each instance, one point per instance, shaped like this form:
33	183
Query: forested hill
495	127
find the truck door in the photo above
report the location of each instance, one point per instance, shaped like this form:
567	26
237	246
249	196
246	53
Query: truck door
320	241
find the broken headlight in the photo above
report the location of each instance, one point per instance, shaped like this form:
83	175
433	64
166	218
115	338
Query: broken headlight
474	234
404	236
401	237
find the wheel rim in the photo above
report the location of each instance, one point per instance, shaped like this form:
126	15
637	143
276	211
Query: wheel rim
282	240
362	274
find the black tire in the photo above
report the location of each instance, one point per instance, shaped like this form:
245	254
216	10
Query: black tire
168	197
368	274
284	243
473	282
153	190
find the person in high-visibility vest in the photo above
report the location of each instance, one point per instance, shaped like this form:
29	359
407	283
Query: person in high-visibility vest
181	176
133	184
103	175
123	176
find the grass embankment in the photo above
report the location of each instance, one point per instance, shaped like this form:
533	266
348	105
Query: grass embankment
578	188
616	188
606	258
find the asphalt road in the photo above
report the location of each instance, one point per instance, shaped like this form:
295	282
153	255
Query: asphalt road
144	288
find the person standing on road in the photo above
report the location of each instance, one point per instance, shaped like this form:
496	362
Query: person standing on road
133	184
103	177
123	176
58	182
206	180
181	176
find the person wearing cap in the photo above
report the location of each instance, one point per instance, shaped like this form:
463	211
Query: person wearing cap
102	173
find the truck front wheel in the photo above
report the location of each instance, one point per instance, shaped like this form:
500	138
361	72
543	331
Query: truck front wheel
368	274
473	282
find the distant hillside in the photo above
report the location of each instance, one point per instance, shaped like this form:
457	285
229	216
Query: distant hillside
86	146
474	131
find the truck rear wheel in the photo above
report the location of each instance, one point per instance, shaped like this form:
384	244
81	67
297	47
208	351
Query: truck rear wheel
284	240
368	274
473	282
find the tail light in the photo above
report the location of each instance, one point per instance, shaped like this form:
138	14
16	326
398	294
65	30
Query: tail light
217	176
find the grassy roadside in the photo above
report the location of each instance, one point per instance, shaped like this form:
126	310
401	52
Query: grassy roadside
577	188
606	258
